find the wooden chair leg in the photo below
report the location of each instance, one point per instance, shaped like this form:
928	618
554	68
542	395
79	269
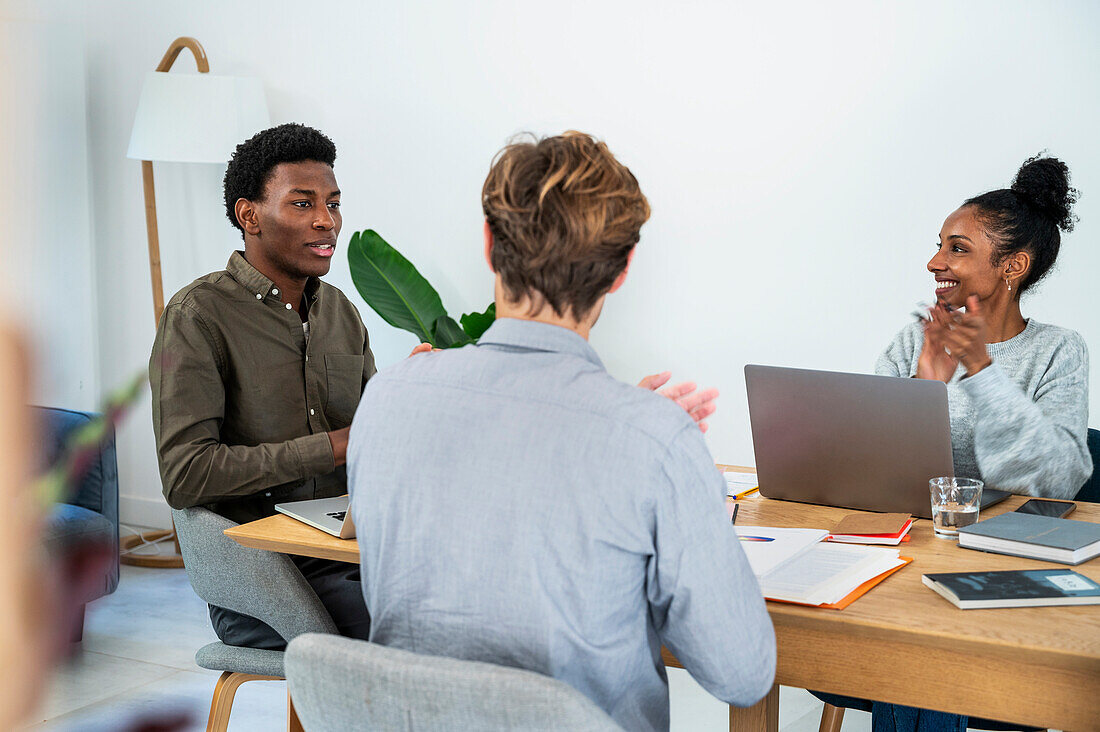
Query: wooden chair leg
831	718
293	724
760	717
224	691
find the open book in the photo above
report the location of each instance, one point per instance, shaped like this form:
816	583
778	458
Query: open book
795	565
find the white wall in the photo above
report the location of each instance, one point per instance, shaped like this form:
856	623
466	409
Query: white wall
799	159
45	220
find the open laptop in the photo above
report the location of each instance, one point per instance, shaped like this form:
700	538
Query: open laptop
850	440
331	515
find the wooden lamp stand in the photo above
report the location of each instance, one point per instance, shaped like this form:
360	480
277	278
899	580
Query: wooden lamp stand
126	545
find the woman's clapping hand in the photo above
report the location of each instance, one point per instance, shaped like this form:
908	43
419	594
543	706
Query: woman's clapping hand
952	338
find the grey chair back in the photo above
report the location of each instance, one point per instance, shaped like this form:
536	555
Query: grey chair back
343	684
265	585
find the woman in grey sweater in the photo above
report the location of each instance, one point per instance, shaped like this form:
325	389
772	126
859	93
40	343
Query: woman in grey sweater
1017	388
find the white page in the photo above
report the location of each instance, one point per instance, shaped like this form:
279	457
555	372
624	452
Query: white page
767	547
739	482
827	573
842	586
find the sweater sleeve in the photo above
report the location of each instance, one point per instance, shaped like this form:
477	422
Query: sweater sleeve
1034	446
898	359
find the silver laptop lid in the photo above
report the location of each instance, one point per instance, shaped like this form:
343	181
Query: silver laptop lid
331	515
850	440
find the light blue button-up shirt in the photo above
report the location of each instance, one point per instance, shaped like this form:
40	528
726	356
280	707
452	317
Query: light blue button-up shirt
517	505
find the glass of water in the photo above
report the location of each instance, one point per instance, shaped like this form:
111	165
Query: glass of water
955	504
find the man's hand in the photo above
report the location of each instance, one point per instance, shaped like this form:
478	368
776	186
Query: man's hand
699	405
422	348
339	440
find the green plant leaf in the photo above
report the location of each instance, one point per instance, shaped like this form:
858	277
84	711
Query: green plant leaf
477	323
393	287
448	334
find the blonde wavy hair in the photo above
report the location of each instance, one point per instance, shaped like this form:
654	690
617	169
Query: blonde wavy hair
565	215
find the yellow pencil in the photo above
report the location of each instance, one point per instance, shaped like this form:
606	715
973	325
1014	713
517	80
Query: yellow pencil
742	494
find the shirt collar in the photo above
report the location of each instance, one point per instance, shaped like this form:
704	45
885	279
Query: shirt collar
256	283
538	336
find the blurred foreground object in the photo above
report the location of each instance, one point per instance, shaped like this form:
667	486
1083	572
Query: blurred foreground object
27	614
79	495
56	553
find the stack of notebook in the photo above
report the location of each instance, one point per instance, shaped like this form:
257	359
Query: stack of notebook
873	528
1035	537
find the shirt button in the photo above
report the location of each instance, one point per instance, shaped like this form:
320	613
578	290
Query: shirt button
268	495
311	413
274	290
259	296
288	306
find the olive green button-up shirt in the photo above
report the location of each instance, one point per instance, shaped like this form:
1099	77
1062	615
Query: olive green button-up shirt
243	399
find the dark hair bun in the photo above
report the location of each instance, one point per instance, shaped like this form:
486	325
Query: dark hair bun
1043	184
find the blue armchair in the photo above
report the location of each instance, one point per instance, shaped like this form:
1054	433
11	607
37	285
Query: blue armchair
91	513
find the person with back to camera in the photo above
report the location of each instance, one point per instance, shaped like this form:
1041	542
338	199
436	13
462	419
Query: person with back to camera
516	504
1017	388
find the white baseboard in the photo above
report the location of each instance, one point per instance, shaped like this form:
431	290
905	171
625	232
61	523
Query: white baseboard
151	513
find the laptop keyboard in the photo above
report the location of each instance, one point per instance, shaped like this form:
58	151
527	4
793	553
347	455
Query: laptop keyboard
338	515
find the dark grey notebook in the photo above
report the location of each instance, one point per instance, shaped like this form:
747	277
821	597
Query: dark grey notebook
1015	588
1037	537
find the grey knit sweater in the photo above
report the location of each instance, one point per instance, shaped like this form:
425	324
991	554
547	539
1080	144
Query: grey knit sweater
1020	424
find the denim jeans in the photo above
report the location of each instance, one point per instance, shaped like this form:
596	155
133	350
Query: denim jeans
897	718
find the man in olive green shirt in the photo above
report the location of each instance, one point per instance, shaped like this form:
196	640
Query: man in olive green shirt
256	370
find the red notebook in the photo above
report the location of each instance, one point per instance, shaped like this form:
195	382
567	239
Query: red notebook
865	528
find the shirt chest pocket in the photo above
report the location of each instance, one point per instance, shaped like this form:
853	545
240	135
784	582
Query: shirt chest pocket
344	381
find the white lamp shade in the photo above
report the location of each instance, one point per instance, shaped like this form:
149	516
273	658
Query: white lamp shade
196	118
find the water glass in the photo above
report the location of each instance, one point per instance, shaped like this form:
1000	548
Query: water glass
955	504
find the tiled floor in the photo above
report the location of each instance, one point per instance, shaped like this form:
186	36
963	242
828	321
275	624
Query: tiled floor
138	659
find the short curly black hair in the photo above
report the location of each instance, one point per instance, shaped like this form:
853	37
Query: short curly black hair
253	160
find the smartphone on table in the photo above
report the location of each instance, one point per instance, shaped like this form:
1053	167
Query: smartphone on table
1048	507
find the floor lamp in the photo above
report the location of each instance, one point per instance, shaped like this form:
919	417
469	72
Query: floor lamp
185	118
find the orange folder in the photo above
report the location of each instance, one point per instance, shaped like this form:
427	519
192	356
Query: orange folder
857	592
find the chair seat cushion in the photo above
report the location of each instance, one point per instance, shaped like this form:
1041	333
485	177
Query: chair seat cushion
68	525
220	657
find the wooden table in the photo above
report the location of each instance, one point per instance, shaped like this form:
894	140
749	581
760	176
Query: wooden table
901	642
